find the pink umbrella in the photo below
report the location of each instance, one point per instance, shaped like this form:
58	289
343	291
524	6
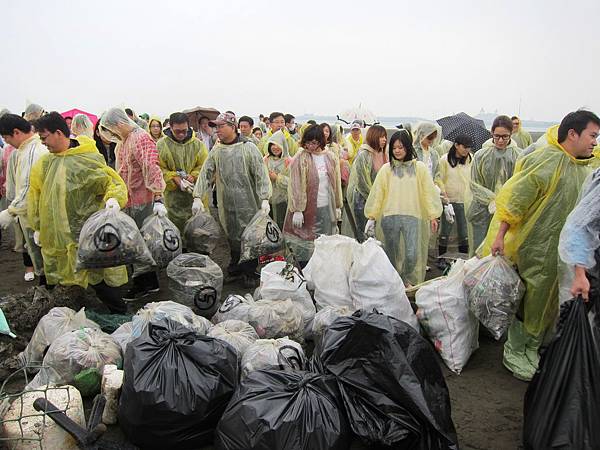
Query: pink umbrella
73	112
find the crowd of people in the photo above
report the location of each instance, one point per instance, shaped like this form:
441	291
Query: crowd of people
512	197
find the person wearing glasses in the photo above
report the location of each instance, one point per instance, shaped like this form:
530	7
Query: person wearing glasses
137	164
492	166
314	194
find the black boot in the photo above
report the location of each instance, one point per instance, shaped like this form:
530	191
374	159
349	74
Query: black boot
464	248
442	264
138	290
442	249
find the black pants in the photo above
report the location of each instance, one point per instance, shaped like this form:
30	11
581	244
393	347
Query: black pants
27	262
111	297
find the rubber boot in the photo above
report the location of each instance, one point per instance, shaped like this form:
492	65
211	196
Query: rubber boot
514	358
464	248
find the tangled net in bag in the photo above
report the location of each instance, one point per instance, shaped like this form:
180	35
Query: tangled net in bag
494	291
162	239
262	237
201	233
110	238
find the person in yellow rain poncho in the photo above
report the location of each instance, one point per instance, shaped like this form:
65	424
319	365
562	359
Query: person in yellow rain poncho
278	162
277	123
235	166
371	157
406	204
492	166
355	139
521	137
335	143
180	156
67	186
531	210
314	194
426	137
155	128
453	177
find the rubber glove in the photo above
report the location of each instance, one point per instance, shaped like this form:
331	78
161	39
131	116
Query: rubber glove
112	203
265	207
6	219
298	219
197	206
159	209
186	186
449	213
36	238
492	207
370	228
338	214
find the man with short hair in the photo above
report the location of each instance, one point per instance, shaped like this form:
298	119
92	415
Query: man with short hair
137	164
67	186
236	168
181	156
531	209
355	139
246	124
290	125
277	122
521	137
19	133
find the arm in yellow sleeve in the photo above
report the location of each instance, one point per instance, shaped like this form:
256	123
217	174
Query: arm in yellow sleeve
378	195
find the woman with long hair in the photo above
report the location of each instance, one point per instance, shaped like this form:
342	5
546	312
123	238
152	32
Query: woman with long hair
406	204
155	128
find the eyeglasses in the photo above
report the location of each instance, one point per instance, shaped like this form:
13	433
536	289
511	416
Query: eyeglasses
313	143
501	137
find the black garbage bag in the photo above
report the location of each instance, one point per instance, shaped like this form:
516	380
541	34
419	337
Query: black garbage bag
177	384
201	233
390	380
562	402
110	238
284	410
162	239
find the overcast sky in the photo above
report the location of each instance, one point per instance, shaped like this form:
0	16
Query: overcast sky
429	59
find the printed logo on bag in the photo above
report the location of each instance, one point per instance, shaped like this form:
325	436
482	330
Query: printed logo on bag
289	356
230	302
205	298
272	232
171	240
107	238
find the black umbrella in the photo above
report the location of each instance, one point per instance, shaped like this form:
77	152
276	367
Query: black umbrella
462	123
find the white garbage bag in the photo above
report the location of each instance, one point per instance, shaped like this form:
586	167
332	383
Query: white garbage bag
326	316
240	335
174	311
328	270
280	280
375	284
446	319
235	307
58	321
273	354
276	318
123	335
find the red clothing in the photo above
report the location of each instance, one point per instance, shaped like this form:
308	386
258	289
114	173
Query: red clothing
137	163
8	149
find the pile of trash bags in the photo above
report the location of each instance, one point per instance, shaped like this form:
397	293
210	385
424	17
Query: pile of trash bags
261	239
177	385
110	238
196	281
201	233
162	239
562	402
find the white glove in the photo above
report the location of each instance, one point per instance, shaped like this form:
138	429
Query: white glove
6	219
265	207
370	228
338	214
492	207
36	238
112	203
197	206
298	219
449	212
159	209
186	186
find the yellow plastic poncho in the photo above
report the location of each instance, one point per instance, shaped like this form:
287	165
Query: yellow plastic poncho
429	157
279	165
66	189
536	202
362	176
187	156
353	146
291	144
490	169
242	182
403	201
521	137
453	181
155	119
